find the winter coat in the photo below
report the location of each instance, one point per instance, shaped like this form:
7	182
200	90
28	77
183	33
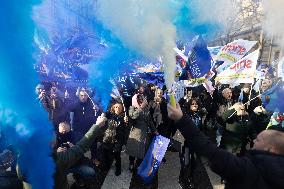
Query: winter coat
257	169
139	137
65	160
236	132
84	116
115	132
160	117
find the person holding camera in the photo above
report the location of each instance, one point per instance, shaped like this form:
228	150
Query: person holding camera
66	159
64	134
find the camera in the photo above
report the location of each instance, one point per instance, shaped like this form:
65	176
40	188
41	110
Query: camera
65	145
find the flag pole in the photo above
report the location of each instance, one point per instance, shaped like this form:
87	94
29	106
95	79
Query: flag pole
244	104
94	106
251	87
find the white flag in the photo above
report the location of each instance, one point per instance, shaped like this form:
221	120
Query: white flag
242	71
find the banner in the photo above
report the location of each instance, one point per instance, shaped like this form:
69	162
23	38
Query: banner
242	71
280	69
233	52
153	158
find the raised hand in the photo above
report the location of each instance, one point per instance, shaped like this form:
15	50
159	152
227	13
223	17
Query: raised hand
101	120
174	113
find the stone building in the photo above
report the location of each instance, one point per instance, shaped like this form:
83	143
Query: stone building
247	25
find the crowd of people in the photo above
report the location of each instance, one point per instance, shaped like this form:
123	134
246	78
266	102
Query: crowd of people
232	119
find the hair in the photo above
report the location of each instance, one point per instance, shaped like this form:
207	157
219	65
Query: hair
225	90
112	107
139	96
188	104
157	90
64	124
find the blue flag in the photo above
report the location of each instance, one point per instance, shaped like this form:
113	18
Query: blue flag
199	61
272	98
153	158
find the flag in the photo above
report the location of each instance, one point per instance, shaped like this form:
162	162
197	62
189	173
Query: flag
199	61
153	158
208	86
233	52
181	54
214	51
156	78
272	98
242	71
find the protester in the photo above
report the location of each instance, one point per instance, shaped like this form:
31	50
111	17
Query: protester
261	167
139	137
160	114
187	156
65	135
65	159
238	128
114	138
83	115
222	103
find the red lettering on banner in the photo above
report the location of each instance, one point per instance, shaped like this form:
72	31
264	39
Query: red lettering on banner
233	67
234	48
248	64
242	64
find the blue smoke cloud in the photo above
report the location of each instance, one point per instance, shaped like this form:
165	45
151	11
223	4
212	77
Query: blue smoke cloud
25	123
187	28
130	30
82	15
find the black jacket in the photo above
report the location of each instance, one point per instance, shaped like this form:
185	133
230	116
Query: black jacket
257	169
116	130
84	116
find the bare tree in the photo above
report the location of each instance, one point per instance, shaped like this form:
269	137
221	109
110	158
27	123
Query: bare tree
246	21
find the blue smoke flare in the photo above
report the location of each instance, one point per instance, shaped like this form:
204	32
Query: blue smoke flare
25	123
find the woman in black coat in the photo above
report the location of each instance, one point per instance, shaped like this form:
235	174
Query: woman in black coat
187	157
114	137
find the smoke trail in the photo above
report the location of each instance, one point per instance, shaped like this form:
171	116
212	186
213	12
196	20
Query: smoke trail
143	26
274	15
152	27
25	123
